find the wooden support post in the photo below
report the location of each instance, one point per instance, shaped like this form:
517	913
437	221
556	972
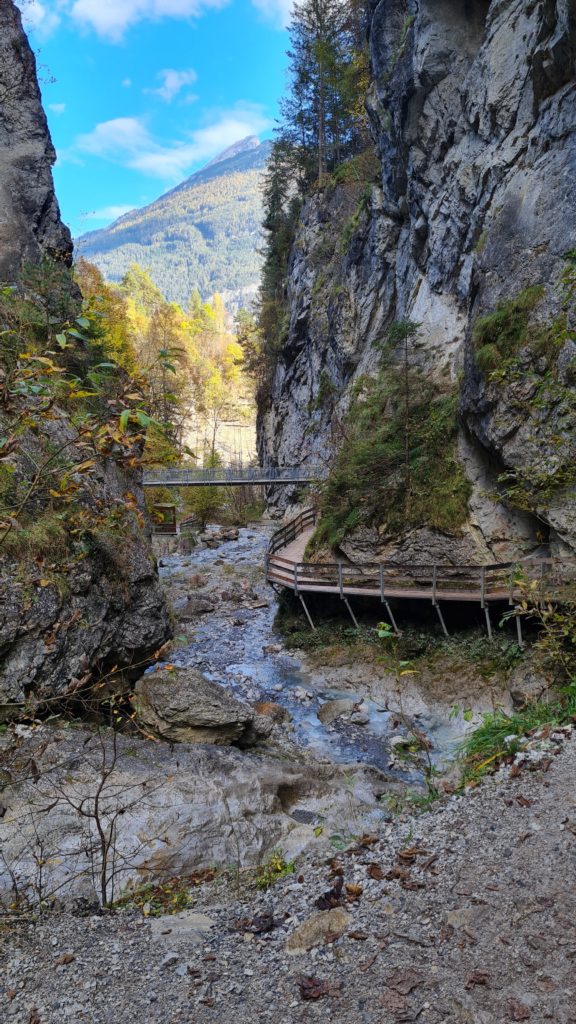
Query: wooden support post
392	619
488	622
352	616
295	577
308	616
441	617
382	598
340	583
483	586
519	632
434	581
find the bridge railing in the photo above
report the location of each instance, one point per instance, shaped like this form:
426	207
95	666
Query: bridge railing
174	476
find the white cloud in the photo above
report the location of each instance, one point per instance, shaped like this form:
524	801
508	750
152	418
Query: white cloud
107	213
276	11
57	108
39	18
128	142
111	18
126	82
172	83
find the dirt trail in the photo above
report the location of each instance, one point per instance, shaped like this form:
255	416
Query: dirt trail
474	923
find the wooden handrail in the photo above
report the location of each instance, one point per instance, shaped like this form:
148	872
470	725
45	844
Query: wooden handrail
495	581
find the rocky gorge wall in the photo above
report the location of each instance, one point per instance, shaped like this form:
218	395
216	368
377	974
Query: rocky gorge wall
73	604
30	222
472	107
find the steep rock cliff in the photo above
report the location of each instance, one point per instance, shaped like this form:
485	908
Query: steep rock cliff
30	222
473	112
79	593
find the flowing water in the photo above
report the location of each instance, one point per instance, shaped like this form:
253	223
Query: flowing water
229	645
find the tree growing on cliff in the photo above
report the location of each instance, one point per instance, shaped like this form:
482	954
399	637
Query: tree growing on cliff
322	120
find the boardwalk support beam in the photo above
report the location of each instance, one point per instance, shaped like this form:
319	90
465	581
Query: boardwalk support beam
392	619
488	622
385	602
519	632
352	616
483	601
441	617
308	616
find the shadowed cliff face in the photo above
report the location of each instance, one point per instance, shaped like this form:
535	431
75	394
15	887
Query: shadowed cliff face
30	222
102	604
473	113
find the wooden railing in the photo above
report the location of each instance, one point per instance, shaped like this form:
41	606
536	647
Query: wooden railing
290	530
505	581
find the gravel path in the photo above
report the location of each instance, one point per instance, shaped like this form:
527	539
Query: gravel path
463	914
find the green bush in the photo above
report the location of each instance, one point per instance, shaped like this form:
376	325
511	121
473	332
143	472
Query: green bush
398	467
488	358
507	328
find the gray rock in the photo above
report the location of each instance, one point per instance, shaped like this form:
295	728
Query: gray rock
333	709
182	706
30	224
475	153
318	929
195	605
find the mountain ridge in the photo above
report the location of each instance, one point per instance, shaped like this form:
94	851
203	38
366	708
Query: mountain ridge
202	233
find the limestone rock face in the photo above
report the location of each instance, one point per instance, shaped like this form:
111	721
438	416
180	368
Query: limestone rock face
30	222
92	609
182	706
473	112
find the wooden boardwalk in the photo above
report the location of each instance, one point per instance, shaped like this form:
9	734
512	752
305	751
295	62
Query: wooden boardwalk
286	567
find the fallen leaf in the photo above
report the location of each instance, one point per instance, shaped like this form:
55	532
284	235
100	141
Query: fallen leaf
66	958
523	801
410	853
546	985
403	980
397	873
354	891
477	978
34	1016
313	988
11	993
368	840
517	1010
333	897
360	936
393	1001
365	965
376	872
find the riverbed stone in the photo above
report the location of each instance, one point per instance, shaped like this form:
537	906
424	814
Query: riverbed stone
317	930
195	605
183	706
333	709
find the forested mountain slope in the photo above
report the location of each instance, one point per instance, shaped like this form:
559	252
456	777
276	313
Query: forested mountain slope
204	234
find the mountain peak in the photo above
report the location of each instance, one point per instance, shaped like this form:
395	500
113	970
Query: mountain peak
242	146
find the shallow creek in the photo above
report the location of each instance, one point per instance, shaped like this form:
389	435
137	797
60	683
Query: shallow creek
230	645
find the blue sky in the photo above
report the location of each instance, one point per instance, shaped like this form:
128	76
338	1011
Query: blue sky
147	91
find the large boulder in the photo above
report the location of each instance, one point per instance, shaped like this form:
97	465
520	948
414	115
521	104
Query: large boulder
182	706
